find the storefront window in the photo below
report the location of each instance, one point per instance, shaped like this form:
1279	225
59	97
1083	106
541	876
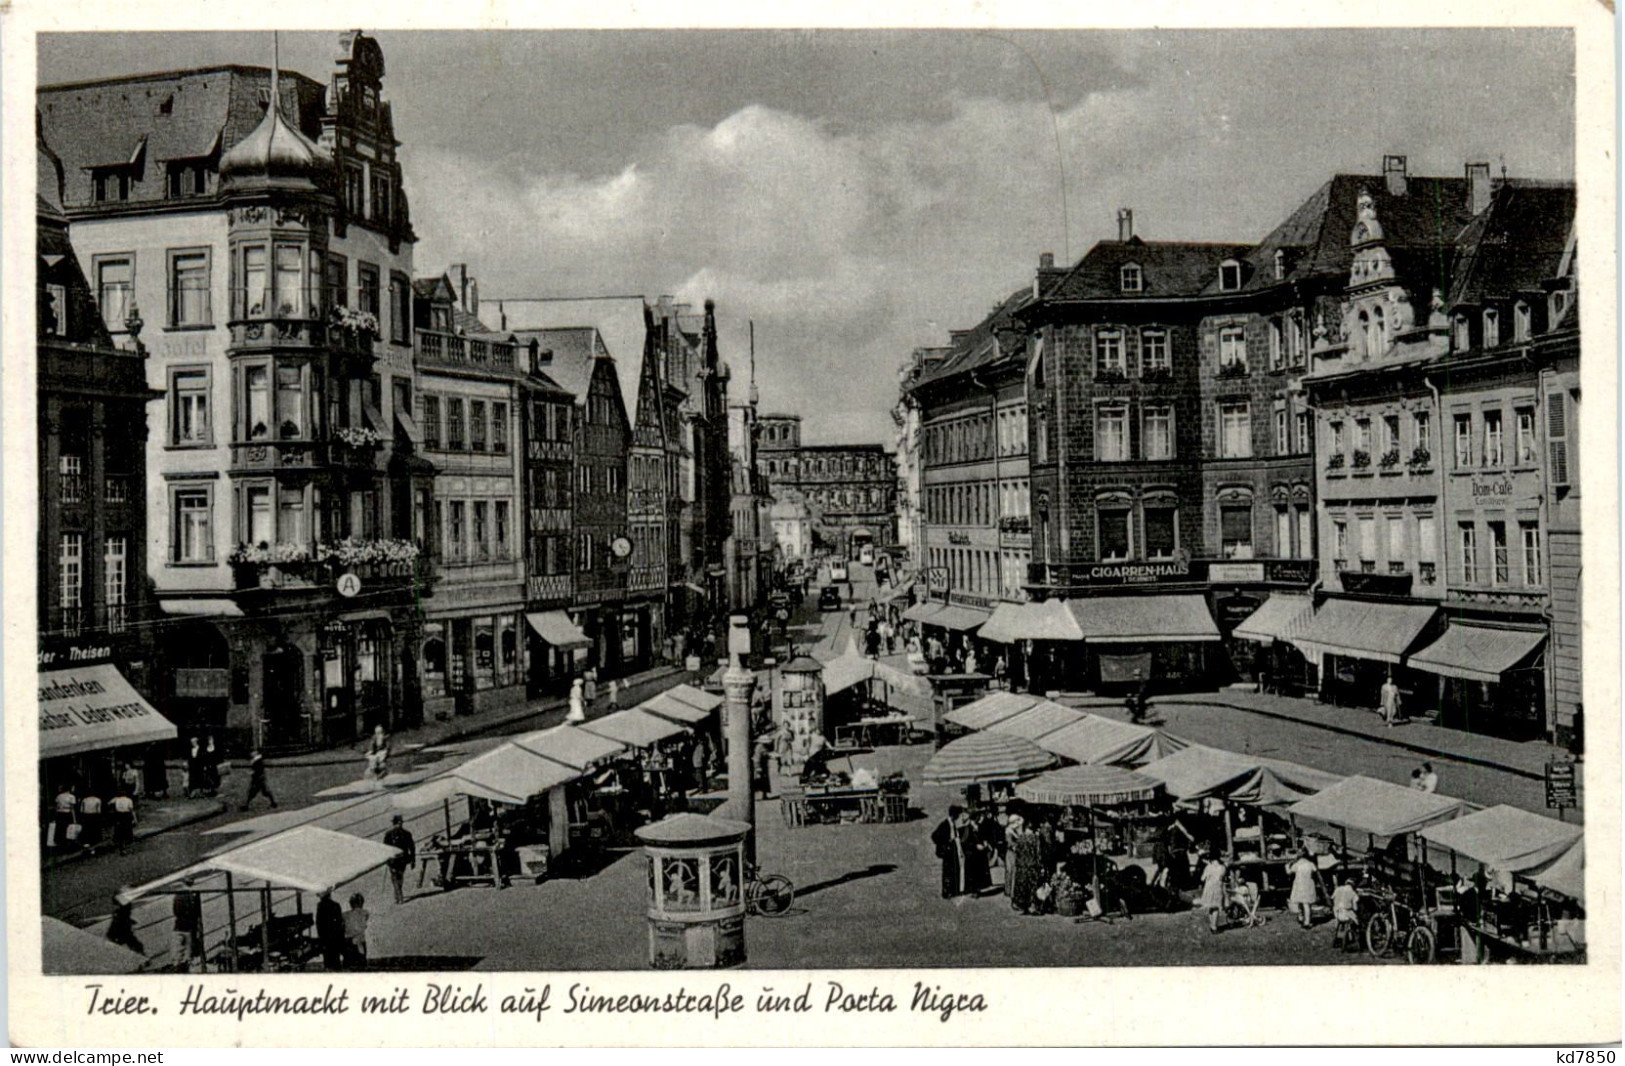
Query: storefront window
508	646
629	636
366	659
434	659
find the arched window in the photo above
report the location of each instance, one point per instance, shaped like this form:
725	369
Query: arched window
1379	333
1521	322
1492	328
1365	335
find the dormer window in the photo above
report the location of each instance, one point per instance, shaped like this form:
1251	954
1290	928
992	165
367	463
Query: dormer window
1130	278
1521	322
1492	328
188	177
1560	304
1280	265
1229	276
110	184
1463	331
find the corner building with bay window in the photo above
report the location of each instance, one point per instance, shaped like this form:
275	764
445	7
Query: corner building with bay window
255	226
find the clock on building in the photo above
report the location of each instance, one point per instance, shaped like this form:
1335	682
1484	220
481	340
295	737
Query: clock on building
621	547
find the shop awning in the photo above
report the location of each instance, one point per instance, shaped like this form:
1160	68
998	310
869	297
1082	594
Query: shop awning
1567	873
1108	742
1506	838
571	745
634	728
962	619
67	949
922	612
1037	720
306	858
1477	653
1045	620
1281	617
1384	632
1143	619
694	697
994	707
202	608
1089	786
92	708
1377	807
556	628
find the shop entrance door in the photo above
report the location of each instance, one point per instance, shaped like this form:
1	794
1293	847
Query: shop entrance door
284	708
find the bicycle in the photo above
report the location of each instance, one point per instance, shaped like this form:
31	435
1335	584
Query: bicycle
1394	924
768	895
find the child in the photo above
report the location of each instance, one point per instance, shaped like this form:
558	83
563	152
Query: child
355	933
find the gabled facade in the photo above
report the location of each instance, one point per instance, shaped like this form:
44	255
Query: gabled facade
258	226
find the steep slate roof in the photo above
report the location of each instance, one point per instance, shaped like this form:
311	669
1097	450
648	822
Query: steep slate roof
1167	268
979	347
178	114
619	320
1419	228
575	351
1515	245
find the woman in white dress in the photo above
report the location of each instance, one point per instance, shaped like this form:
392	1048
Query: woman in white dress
1304	892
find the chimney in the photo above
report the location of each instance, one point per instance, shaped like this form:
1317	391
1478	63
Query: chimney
471	303
1125	224
1478	187
1046	261
1393	174
459	281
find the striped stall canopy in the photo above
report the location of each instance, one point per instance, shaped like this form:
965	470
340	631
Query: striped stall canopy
665	705
978	758
1089	786
1108	742
633	728
705	701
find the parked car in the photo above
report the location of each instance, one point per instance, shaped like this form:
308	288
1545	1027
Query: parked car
829	598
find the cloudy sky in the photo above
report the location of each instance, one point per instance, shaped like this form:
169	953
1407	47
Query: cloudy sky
860	193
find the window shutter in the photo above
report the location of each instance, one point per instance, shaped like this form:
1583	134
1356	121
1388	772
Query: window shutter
1557	431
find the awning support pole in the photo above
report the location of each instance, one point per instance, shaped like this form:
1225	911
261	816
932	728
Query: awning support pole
265	929
231	917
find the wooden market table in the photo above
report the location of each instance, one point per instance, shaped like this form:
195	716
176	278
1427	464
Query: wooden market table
821	802
868	732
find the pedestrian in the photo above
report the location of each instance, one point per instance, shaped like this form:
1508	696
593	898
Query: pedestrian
355	933
122	815
1304	894
978	878
330	931
194	769
400	838
186	944
121	930
155	776
1213	876
950	848
852	615
378	754
700	759
64	819
970	659
130	780
614	694
1390	701
211	767
1001	671
1429	781
1346	910
256	780
589	686
90	821
578	703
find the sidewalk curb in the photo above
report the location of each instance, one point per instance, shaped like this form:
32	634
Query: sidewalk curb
1396	742
218	807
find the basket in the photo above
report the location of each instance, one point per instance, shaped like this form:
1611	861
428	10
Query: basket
896	808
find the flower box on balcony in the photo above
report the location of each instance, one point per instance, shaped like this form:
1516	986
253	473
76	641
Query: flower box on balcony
1156	375
1233	370
1361	460
1420	457
1334	461
1109	373
358	437
1389	459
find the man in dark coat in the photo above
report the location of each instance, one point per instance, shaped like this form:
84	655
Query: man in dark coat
400	837
256	780
948	838
330	931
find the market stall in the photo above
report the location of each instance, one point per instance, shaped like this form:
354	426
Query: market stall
303	860
1096	740
598	803
986	758
1041	718
846	784
1507	912
881	703
993	707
